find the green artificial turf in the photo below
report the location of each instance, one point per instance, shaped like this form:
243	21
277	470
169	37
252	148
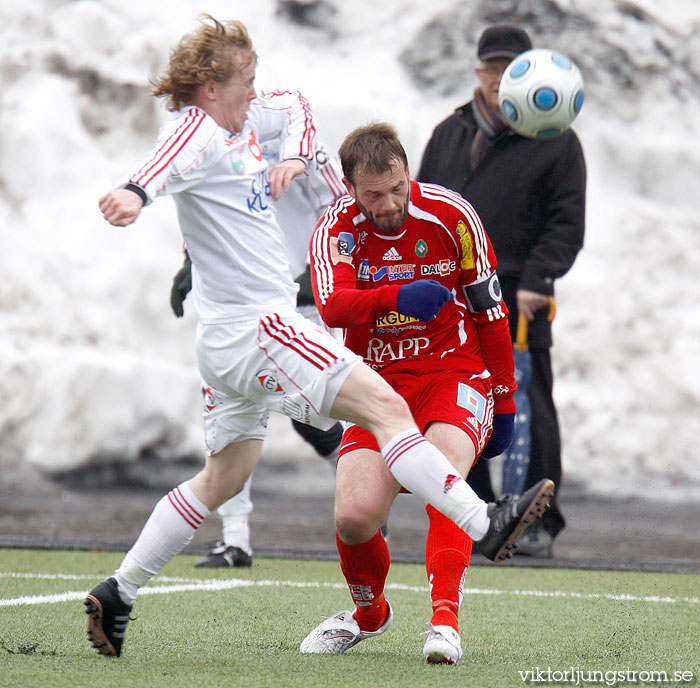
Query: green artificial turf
512	620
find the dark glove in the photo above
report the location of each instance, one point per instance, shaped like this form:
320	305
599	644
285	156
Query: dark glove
501	435
422	299
182	285
305	295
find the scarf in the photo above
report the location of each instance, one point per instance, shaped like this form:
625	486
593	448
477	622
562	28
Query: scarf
489	125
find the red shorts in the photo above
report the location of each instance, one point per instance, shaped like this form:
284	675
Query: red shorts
454	397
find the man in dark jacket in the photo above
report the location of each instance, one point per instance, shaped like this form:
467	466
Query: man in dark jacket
530	195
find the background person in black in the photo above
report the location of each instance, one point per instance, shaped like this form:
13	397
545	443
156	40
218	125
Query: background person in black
530	195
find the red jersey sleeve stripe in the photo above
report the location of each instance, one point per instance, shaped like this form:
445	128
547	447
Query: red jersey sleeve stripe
320	245
162	159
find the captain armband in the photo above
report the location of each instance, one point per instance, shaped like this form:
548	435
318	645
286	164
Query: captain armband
483	294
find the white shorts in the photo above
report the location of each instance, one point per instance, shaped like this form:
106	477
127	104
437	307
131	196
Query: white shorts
283	363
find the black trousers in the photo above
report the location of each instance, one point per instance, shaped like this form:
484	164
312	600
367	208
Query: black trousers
545	450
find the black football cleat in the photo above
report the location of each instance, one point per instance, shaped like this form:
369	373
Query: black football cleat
510	516
107	618
221	555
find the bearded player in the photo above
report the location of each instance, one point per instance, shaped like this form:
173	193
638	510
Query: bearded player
408	270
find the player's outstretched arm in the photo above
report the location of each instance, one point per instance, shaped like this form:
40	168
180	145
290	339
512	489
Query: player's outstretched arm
120	207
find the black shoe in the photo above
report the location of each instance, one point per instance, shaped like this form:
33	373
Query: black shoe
222	555
107	618
510	516
536	542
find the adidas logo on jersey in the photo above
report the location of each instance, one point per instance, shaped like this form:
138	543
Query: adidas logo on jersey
392	254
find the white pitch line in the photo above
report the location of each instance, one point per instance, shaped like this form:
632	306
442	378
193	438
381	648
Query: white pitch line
73	576
213	585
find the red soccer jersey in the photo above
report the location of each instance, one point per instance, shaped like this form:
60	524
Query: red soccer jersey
357	273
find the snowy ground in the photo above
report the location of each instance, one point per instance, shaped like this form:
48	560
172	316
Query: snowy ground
92	362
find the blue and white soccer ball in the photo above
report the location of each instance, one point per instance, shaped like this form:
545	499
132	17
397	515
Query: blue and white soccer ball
541	93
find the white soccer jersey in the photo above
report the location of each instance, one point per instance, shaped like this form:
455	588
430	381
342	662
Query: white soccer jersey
309	195
220	186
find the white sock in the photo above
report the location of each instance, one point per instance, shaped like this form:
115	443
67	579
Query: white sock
167	532
236	532
234	516
424	470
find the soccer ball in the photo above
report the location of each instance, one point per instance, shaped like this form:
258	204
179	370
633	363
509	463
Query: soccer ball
540	94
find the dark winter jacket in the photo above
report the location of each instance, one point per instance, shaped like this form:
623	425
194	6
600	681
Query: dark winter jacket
530	195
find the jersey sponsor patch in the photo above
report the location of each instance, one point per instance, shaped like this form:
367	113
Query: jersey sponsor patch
346	243
443	268
254	147
383	353
363	270
484	294
465	240
394	272
259	198
340	250
393	318
471	400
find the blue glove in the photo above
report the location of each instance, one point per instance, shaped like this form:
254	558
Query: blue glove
422	299
501	435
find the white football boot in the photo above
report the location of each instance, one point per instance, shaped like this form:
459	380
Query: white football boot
339	633
442	646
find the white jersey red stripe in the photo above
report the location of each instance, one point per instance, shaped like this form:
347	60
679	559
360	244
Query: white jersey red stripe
170	148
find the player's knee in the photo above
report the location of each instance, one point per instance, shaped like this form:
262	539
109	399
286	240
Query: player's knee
389	408
354	525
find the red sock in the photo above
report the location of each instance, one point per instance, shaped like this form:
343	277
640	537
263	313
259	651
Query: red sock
365	567
447	552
